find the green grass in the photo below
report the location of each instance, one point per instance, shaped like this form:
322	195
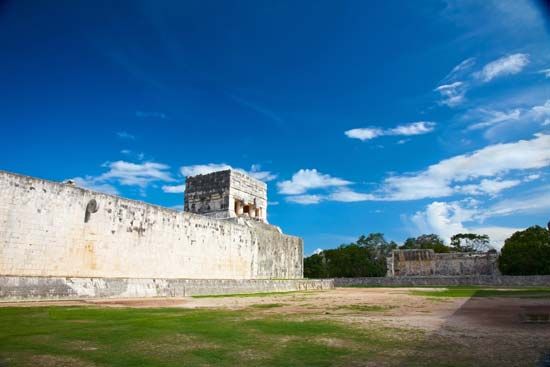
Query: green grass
88	336
367	308
267	305
484	292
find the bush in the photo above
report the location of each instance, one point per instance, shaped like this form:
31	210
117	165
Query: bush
526	253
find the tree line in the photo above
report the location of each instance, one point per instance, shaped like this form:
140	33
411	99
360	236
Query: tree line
524	253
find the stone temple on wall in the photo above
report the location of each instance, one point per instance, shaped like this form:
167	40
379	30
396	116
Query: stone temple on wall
62	241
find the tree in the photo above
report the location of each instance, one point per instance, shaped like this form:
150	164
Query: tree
364	258
376	242
426	242
526	253
314	266
470	242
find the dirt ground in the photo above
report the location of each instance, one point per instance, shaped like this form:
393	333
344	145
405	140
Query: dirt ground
497	327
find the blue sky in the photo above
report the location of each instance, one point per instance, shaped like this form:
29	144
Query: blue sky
394	117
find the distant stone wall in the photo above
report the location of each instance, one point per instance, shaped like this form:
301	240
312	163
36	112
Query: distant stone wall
51	288
54	229
411	281
427	263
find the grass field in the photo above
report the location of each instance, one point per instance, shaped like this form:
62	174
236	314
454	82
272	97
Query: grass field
84	336
459	291
342	327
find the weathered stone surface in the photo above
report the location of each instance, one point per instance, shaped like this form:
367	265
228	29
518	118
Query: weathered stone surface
408	281
427	263
56	230
226	194
41	288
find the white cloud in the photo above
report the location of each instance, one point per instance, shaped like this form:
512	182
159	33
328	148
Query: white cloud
542	113
126	174
125	135
532	177
203	169
460	70
306	179
317	251
452	94
546	72
349	196
304	199
177	189
447	219
438	179
403	141
90	183
363	134
414	128
507	65
491	117
257	173
536	201
136	174
486	186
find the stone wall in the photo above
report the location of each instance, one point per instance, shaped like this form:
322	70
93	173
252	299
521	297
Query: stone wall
42	288
427	263
44	232
208	194
224	194
411	281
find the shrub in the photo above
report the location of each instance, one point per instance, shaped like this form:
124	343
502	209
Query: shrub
526	253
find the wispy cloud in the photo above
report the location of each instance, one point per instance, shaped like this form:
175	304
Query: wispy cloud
177	189
450	175
125	135
91	183
124	173
491	117
452	94
460	71
507	65
304	199
461	79
546	72
413	128
127	152
307	179
488	118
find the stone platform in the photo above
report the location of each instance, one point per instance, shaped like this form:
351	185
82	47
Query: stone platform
14	288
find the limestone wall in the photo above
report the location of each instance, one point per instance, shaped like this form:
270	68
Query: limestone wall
42	288
412	281
43	232
428	263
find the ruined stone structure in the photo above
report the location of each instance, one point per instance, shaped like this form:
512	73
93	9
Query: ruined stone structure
428	263
226	194
50	229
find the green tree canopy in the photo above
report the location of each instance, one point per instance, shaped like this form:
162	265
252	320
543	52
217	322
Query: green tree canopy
364	258
526	253
470	242
426	242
